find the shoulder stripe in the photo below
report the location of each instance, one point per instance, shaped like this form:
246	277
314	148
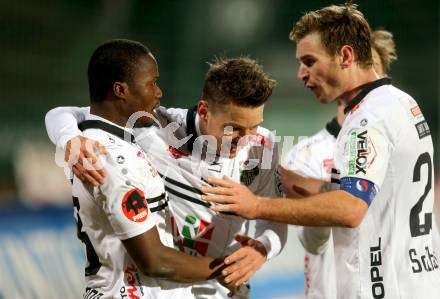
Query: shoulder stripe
155	199
159	208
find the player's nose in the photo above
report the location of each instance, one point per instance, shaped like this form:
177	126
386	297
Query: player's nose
302	74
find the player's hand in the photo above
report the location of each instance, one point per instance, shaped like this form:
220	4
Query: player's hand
244	262
235	198
81	155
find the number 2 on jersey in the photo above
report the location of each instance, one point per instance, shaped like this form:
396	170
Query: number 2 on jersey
92	258
416	228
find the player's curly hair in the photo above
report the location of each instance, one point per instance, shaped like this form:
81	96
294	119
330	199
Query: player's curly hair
382	41
115	60
241	81
338	25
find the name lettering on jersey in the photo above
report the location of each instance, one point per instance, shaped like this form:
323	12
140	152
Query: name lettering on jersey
427	261
195	235
423	129
377	287
92	294
362	153
134	205
133	282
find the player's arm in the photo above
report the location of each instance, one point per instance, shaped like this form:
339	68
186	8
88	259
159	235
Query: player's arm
133	223
62	123
344	207
156	260
62	129
334	208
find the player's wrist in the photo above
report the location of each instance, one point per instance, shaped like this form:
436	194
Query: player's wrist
260	207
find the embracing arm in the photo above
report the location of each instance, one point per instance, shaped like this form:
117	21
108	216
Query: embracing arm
334	208
62	123
156	260
62	129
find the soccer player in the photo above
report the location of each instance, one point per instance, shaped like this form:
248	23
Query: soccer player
122	222
380	206
231	108
309	165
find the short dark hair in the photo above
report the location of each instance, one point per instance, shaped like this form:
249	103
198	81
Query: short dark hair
115	60
241	81
338	25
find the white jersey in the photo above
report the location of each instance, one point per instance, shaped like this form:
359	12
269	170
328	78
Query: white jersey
313	158
385	147
197	230
130	202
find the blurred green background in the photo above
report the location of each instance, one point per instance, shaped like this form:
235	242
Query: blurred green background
46	45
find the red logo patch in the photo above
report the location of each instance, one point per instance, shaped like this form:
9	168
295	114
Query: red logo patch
327	164
134	205
416	111
140	154
176	153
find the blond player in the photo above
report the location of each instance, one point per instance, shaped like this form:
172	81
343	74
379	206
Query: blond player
308	168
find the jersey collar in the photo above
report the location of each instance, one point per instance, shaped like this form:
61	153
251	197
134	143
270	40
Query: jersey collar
333	127
105	126
366	90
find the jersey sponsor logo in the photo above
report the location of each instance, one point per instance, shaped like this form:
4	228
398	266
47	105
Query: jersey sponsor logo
92	294
134	205
423	129
364	122
133	290
362	153
195	235
362	185
415	111
427	261
175	153
377	286
360	188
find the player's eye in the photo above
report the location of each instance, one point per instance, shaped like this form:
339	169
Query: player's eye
309	62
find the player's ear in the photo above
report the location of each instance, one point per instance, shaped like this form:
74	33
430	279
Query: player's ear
120	89
202	109
346	56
